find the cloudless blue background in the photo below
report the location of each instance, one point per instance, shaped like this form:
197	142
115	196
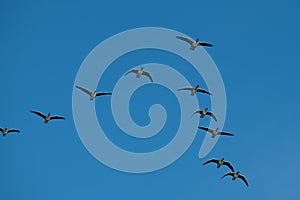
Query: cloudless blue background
42	45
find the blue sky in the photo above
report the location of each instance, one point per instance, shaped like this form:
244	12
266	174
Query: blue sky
256	50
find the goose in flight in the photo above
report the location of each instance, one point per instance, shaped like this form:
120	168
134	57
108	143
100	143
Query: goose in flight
48	117
140	72
194	44
195	89
215	132
236	175
220	163
94	94
6	131
205	112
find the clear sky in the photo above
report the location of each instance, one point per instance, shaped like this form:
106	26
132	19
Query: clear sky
256	47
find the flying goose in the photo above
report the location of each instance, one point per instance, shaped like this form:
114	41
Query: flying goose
205	112
92	94
194	44
215	132
220	163
6	131
140	72
236	175
47	118
195	89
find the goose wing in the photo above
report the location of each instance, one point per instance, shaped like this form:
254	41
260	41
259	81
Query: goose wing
132	71
211	160
57	117
205	44
198	111
212	115
13	131
148	75
228	174
203	91
185	39
84	90
39	114
244	179
225	133
103	93
190	89
1	129
206	129
228	165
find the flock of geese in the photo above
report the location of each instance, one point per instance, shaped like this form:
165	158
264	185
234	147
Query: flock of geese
141	72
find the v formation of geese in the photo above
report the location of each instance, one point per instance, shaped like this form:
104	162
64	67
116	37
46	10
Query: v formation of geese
193	90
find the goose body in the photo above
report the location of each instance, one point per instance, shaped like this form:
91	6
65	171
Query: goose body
205	112
194	90
220	163
215	132
194	44
139	73
6	131
48	117
236	175
93	94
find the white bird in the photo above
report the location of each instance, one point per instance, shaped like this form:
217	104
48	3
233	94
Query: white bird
6	131
236	175
220	163
94	94
205	112
194	44
140	72
195	89
48	117
215	132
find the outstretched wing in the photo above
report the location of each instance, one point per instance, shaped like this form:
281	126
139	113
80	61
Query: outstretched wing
198	111
185	39
148	75
57	117
212	115
103	93
190	89
228	165
244	179
206	129
205	44
132	71
84	90
1	129
225	133
228	174
13	131
212	160
39	114
203	91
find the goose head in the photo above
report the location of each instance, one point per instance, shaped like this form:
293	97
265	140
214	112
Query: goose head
197	40
217	130
142	68
197	86
48	115
222	160
205	109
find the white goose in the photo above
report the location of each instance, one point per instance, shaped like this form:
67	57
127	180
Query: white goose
194	44
236	175
215	132
140	72
94	94
195	89
6	131
205	112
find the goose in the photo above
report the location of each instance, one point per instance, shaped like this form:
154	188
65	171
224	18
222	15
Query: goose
140	72
205	112
195	89
236	175
215	132
220	163
94	94
194	44
48	117
6	131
